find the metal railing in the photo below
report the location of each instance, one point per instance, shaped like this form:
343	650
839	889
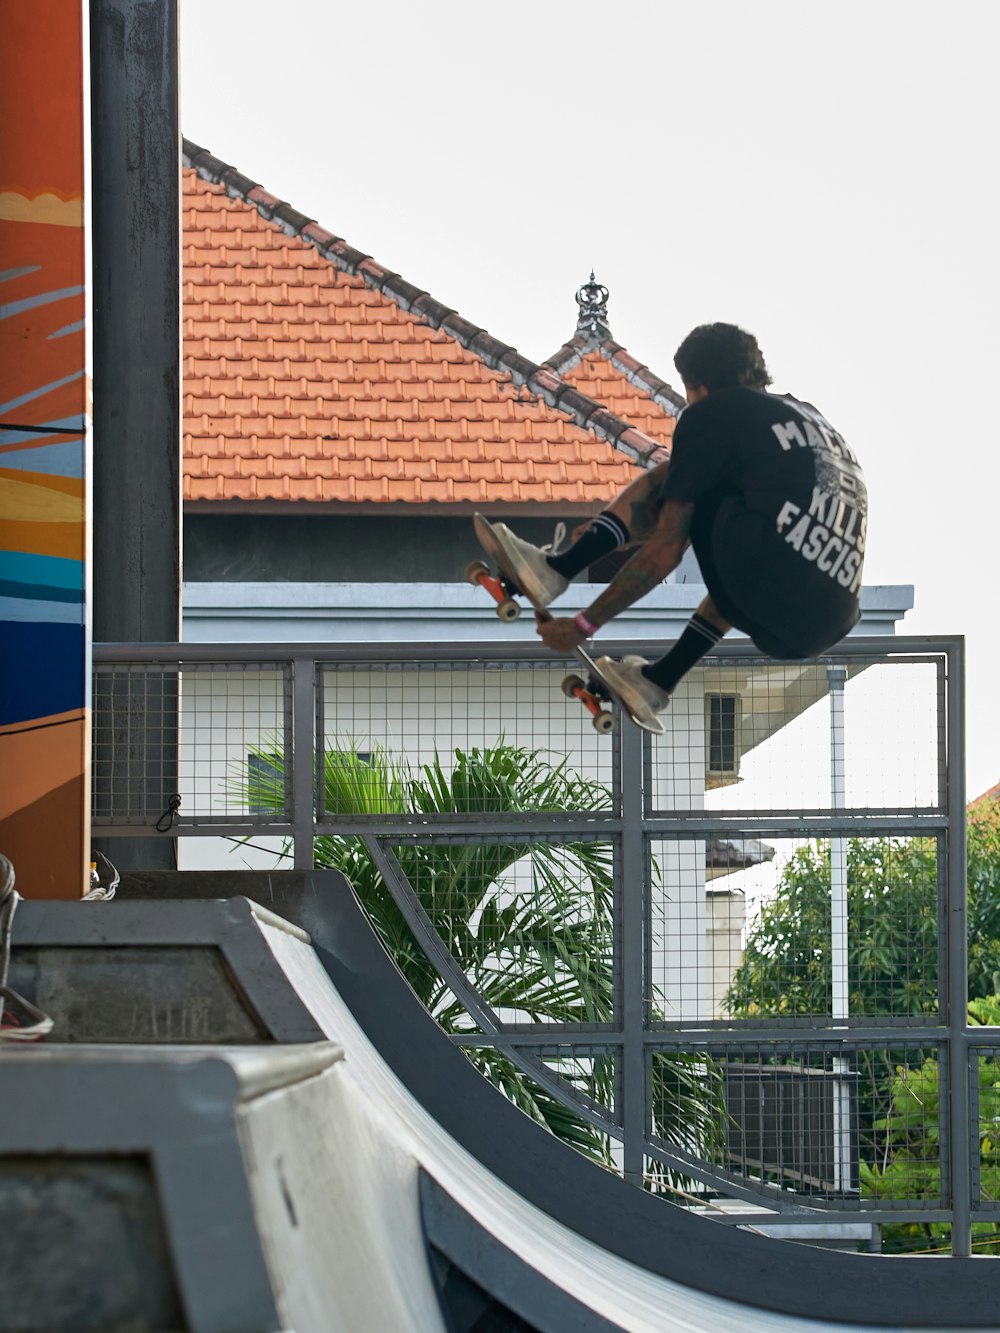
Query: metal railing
770	900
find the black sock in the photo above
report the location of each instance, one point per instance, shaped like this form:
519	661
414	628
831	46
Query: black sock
699	637
605	534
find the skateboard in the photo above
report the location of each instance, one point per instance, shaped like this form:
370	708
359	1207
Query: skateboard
593	691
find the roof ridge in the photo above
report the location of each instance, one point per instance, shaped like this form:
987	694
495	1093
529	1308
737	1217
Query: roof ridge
539	379
636	373
594	335
570	354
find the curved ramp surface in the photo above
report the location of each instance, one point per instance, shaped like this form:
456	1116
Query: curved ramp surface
552	1227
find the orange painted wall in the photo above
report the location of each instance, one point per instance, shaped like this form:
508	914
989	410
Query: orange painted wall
44	445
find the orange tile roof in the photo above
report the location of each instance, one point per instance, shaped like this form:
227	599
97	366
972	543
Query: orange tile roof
992	795
598	377
313	374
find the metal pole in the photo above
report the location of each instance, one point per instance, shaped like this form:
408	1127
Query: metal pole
839	996
962	1142
839	978
635	906
137	404
303	760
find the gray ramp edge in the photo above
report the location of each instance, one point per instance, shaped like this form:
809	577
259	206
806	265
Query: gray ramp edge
176	1108
230	925
739	1266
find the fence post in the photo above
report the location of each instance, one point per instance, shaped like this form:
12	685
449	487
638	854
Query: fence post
635	905
962	1142
303	760
839	951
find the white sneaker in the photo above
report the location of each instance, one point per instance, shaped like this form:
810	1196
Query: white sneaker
529	568
639	696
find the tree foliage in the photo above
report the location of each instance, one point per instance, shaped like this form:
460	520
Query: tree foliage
892	934
893	929
983	833
892	964
909	1163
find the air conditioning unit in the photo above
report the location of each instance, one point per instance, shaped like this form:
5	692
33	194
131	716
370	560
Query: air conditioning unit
723	716
793	1125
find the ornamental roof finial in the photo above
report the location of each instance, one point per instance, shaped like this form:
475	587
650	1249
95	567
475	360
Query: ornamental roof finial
592	299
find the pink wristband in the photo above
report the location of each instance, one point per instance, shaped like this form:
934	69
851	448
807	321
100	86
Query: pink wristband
584	625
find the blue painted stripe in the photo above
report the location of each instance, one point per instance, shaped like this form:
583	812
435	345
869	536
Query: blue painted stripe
64	459
34	611
30	302
39	592
69	328
42	670
9	273
40	393
54	571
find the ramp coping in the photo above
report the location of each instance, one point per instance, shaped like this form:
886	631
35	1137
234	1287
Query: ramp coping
268	918
255	1069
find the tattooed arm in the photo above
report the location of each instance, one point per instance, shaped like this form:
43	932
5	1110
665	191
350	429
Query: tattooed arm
656	558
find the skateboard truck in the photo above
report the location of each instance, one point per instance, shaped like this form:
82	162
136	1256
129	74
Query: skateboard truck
591	696
499	589
589	692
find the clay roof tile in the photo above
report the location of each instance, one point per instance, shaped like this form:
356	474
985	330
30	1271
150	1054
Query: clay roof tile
306	361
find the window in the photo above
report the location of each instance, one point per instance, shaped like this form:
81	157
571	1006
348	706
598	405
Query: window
722	735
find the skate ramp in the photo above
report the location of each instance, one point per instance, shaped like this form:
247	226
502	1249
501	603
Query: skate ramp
501	1192
374	1180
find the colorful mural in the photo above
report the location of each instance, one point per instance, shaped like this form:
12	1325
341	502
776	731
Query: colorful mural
44	439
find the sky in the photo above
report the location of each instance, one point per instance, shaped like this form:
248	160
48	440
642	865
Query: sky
822	174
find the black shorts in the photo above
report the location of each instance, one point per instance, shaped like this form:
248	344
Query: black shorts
708	520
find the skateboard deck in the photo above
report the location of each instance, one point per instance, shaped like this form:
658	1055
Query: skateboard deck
593	691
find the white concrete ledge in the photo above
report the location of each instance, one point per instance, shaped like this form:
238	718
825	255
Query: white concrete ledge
304	612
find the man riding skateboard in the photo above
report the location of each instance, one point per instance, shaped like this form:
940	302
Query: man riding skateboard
768	494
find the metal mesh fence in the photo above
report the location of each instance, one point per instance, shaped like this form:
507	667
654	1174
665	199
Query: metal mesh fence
717	961
525	923
216	733
854	1125
401	719
135	740
754	735
795	929
985	1080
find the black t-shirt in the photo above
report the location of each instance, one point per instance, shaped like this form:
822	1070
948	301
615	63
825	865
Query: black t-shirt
780	514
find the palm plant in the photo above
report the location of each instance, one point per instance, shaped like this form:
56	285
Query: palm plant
529	923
